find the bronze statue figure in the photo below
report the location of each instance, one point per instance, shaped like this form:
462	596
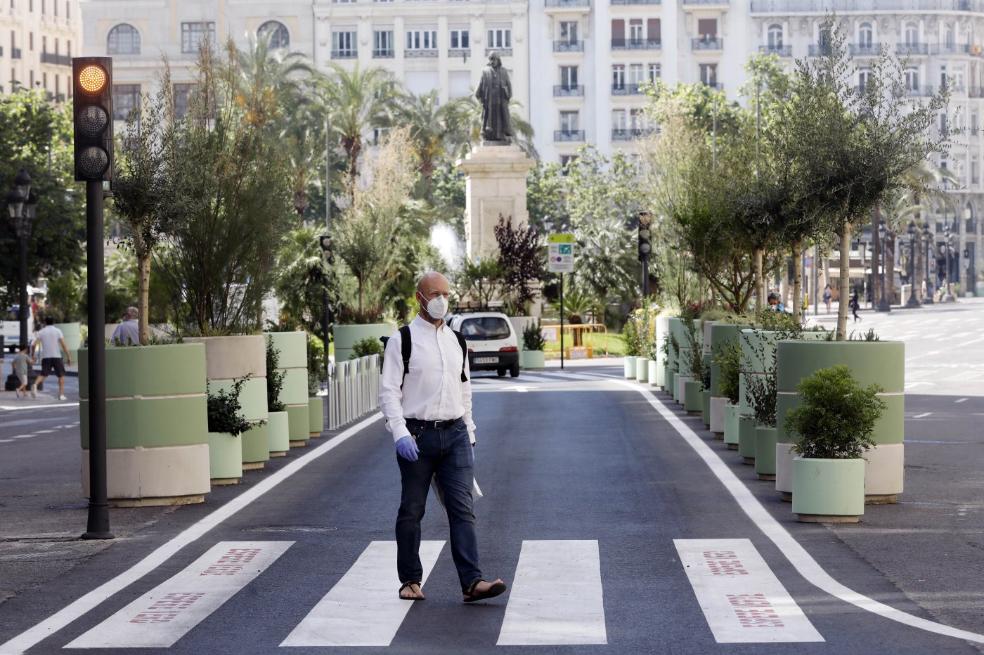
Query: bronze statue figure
494	92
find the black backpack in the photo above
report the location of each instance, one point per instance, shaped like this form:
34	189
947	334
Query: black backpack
406	347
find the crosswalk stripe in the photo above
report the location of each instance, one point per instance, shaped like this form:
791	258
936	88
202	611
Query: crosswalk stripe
166	613
742	600
556	596
363	608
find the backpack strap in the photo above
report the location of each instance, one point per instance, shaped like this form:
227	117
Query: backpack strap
464	354
406	346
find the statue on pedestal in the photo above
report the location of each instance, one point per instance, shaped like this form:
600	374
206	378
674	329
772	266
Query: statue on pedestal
494	92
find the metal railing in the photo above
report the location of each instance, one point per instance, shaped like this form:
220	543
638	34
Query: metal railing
560	4
780	50
502	52
344	54
630	89
568	46
459	52
637	2
565	90
15	53
705	2
912	49
419	53
824	6
58	60
865	49
627	134
568	135
707	43
353	390
383	54
636	44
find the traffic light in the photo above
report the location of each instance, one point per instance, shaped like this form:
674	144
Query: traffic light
328	249
92	79
645	245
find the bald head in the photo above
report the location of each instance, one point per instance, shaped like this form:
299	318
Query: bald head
430	286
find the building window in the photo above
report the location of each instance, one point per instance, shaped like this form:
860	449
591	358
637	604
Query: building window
635	74
68	9
567	160
864	78
637	119
459	40
124	39
655	72
126	98
69	48
775	37
911	34
382	43
635	30
30	41
44	43
182	99
422	40
912	79
44	81
568	77
276	32
618	120
708	74
569	122
866	36
568	31
618	77
500	38
975	171
707	29
343	44
194	34
949	37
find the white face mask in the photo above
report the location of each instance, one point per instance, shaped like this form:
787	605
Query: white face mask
437	307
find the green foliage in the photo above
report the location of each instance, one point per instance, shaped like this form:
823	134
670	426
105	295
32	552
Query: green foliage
695	367
302	277
315	364
768	319
675	350
225	412
533	336
366	347
521	263
632	336
546	197
63	301
274	377
728	358
870	335
481	279
837	416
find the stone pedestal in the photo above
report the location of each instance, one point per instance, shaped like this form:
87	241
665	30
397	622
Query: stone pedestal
495	184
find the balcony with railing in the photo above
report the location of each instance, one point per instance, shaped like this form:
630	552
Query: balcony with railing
975	92
567	4
705	3
420	53
464	53
637	2
568	90
56	59
345	54
502	52
568	46
916	91
568	136
707	43
819	49
636	44
838	6
628	134
949	49
383	53
780	50
630	89
905	49
865	49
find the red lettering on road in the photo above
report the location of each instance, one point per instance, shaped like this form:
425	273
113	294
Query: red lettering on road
754	611
232	561
166	608
723	562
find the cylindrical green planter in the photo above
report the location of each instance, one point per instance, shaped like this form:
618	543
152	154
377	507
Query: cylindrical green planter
828	490
225	457
670	381
765	452
717	404
642	369
692	399
278	434
346	336
680	387
293	364
731	425
870	362
746	438
629	363
156	424
653	374
73	337
532	359
316	415
705	407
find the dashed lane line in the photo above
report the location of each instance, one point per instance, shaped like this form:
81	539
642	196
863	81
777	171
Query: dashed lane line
797	555
923	415
960	400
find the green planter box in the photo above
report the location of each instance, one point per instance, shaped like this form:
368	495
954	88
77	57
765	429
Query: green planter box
828	490
870	362
721	335
692	399
731	425
629	365
717	405
746	437
156	424
641	369
346	336
680	381
316	416
278	434
705	408
765	452
225	458
532	359
653	374
293	364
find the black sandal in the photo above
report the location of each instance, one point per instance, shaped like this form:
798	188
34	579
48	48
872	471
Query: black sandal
410	584
496	589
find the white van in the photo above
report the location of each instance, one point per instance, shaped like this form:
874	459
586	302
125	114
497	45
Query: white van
492	342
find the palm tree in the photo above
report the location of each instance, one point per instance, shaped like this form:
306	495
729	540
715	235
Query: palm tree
266	82
468	115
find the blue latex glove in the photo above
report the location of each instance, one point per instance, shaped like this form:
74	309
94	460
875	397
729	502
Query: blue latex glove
406	448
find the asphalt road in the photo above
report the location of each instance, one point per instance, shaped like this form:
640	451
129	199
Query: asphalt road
584	463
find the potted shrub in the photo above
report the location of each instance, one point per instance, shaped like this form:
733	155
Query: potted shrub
630	335
762	398
316	375
292	347
645	331
727	357
225	425
834	424
533	345
278	433
721	334
694	385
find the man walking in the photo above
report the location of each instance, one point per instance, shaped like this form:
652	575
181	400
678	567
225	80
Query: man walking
127	333
52	343
427	406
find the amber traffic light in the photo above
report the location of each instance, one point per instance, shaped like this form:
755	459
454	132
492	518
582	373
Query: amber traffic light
92	78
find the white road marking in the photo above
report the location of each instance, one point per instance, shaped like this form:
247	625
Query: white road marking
742	599
22	408
798	556
44	431
22	436
83	605
169	611
960	400
6	440
363	608
923	415
520	389
556	596
913	385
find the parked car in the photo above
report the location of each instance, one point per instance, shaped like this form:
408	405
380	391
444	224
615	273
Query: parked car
492	342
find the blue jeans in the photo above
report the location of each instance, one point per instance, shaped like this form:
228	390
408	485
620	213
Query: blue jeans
448	454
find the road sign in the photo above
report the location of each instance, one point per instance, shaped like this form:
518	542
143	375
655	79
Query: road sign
560	251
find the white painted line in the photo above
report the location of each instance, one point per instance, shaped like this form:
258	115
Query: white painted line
798	556
44	431
81	606
22	408
6	440
556	596
960	400
364	607
170	610
923	415
520	389
23	436
742	599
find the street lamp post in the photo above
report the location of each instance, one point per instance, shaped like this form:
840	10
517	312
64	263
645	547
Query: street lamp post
21	205
948	296
913	233
884	305
927	240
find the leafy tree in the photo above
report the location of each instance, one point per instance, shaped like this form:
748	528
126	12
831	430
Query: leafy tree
480	279
274	377
302	277
546	196
521	262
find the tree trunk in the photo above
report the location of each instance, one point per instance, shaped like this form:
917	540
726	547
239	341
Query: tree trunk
798	280
845	281
759	279
889	247
876	248
143	298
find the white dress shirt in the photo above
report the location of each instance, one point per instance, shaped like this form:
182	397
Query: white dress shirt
432	389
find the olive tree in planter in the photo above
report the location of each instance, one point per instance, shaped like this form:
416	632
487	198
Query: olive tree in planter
727	357
692	388
633	346
278	433
834	423
225	425
316	376
533	345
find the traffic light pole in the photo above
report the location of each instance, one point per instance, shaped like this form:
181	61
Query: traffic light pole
98	521
562	321
645	278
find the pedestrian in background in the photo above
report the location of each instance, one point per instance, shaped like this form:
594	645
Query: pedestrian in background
52	344
127	333
425	396
827	295
20	367
854	305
